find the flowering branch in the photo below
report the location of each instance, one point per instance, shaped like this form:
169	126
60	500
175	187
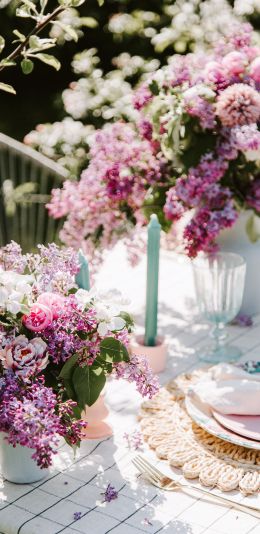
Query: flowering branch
31	46
38	28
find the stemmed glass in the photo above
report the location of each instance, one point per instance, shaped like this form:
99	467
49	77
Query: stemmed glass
219	282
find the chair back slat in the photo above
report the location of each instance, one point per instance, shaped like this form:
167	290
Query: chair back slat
26	222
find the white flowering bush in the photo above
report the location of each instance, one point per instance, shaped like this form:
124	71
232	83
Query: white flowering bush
97	97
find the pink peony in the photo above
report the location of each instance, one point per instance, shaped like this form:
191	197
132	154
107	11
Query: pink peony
39	318
25	357
255	70
53	301
237	105
234	63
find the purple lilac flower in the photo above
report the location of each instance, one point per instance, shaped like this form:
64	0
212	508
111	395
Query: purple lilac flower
137	370
11	258
32	416
54	267
242	319
110	494
246	137
62	335
253	196
77	516
134	440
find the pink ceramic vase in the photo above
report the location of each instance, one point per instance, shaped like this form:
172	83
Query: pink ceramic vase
96	416
156	355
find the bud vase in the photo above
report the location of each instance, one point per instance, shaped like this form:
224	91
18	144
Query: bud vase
96	416
17	464
156	355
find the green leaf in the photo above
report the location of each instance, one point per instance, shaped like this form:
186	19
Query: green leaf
2	44
30	5
68	367
7	63
7	88
127	318
77	3
70	389
88	383
49	60
89	22
154	88
251	229
27	66
112	350
43	4
37	44
23	12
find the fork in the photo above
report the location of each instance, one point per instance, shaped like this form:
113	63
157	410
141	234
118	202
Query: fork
158	479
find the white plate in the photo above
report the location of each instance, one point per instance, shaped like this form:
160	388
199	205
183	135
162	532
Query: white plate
201	415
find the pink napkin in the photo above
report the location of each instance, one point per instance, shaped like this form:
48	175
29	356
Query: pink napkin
229	390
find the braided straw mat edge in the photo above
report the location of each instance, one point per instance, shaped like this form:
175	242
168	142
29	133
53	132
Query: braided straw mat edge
197	453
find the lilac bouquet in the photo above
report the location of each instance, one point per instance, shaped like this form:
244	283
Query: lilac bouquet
192	154
58	344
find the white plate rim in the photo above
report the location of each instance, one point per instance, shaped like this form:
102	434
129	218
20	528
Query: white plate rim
205	422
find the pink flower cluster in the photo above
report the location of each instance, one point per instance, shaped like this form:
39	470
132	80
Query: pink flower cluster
194	146
107	201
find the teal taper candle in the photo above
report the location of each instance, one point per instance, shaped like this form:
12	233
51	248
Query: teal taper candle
82	278
153	251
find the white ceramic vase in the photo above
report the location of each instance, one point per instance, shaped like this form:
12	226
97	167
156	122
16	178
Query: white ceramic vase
236	240
17	464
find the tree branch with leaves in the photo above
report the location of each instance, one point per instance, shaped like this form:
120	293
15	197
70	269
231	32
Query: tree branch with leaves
31	47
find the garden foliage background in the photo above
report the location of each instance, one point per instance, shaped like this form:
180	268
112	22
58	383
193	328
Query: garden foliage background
149	32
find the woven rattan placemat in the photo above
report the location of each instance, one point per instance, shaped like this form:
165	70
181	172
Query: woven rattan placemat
171	433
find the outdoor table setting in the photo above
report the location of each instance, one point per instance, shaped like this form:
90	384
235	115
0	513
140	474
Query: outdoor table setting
123	481
129	267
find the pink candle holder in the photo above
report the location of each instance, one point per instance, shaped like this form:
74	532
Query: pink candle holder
156	355
95	416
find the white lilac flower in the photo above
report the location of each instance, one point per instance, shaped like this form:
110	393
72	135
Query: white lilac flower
15	291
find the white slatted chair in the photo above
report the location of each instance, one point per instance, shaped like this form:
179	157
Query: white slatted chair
24	218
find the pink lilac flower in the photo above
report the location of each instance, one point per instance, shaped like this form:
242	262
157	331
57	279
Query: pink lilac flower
246	137
173	208
254	70
24	357
39	318
110	494
215	75
111	189
199	107
235	63
239	104
137	370
142	97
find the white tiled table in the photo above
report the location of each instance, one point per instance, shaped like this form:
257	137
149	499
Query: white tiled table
76	485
